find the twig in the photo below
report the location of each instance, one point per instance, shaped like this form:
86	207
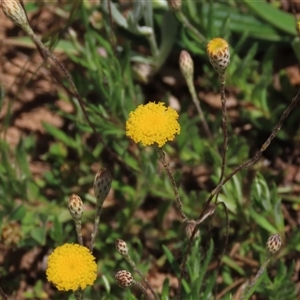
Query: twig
177	197
224	125
134	267
3	295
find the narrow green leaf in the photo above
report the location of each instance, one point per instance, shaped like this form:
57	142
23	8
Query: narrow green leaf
171	260
278	18
262	221
60	135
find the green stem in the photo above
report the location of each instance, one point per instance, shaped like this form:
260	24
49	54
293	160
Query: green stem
95	229
197	104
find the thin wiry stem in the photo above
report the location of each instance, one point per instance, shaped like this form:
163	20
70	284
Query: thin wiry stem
78	231
295	101
78	295
179	205
134	267
141	289
224	125
197	104
96	227
208	213
3	295
249	289
225	243
45	53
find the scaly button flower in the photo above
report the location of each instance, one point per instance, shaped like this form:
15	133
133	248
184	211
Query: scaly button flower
71	267
218	53
152	123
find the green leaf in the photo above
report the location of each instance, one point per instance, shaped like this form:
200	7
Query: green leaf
233	264
39	235
169	27
171	260
18	213
165	290
60	135
278	18
262	221
57	231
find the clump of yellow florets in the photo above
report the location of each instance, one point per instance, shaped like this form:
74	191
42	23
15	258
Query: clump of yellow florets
71	267
153	123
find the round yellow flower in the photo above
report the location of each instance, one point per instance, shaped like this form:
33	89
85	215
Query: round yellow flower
71	267
152	123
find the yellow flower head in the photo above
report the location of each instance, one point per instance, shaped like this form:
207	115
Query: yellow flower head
153	123
71	267
218	53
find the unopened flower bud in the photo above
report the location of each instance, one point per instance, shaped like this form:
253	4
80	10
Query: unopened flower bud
14	10
124	279
274	243
186	65
75	206
121	247
219	55
102	185
174	5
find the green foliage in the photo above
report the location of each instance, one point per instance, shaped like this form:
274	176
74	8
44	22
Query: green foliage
108	73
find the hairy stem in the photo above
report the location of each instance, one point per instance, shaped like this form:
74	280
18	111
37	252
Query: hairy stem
95	229
224	126
134	267
250	288
179	205
197	104
78	231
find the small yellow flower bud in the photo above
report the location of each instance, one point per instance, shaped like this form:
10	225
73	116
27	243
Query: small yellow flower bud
219	55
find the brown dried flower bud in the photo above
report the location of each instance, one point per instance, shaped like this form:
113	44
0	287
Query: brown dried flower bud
219	55
124	279
11	233
75	206
121	247
274	243
14	10
174	4
186	65
102	185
